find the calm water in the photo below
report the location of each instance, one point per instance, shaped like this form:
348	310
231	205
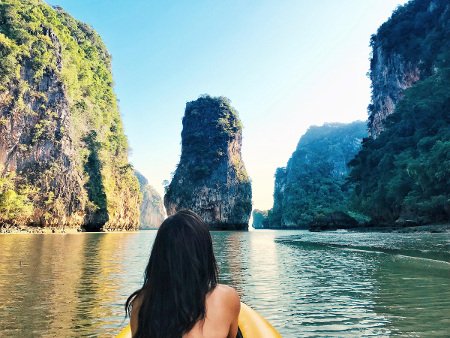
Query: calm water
305	284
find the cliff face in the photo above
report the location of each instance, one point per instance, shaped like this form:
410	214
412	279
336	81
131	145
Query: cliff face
210	178
404	51
152	207
402	176
276	213
312	184
63	153
390	76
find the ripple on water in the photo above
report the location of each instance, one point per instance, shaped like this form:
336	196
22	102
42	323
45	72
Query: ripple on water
305	284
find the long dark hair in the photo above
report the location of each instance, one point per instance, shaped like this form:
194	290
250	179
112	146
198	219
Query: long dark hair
181	271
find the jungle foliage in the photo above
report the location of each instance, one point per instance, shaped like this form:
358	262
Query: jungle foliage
405	172
418	31
313	183
39	42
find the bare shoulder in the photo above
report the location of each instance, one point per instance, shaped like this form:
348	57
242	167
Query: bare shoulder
136	303
226	291
135	306
226	295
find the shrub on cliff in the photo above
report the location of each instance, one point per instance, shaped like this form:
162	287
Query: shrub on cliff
208	125
418	31
15	200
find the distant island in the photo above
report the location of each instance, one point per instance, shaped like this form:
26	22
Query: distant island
313	184
152	211
211	178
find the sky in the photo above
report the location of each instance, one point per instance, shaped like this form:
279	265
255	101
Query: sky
284	64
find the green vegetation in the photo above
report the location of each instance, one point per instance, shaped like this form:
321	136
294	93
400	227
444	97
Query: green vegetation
48	61
15	200
211	178
418	31
276	213
208	125
260	219
405	172
313	183
94	185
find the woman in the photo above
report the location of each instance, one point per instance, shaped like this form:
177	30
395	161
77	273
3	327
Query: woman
181	296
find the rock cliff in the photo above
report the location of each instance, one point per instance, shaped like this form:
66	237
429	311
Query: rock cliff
210	178
152	207
313	182
402	176
63	152
404	51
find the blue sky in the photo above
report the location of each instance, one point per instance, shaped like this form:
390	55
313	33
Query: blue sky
285	65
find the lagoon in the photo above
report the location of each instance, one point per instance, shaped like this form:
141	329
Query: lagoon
305	284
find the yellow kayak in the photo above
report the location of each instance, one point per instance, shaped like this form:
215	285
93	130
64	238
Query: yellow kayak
251	325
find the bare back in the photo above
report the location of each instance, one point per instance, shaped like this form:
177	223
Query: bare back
221	320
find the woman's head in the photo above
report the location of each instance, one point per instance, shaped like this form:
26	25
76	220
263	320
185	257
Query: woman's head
181	271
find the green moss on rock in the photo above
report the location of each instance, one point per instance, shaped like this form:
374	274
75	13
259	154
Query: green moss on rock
60	129
211	178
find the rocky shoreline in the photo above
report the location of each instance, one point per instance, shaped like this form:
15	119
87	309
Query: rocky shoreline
430	228
38	230
48	230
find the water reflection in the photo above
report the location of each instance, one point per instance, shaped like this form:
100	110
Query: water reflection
414	295
31	296
230	265
63	285
304	284
328	291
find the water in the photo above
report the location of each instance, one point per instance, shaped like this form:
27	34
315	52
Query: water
305	284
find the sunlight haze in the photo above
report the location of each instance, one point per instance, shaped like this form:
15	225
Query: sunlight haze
285	65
